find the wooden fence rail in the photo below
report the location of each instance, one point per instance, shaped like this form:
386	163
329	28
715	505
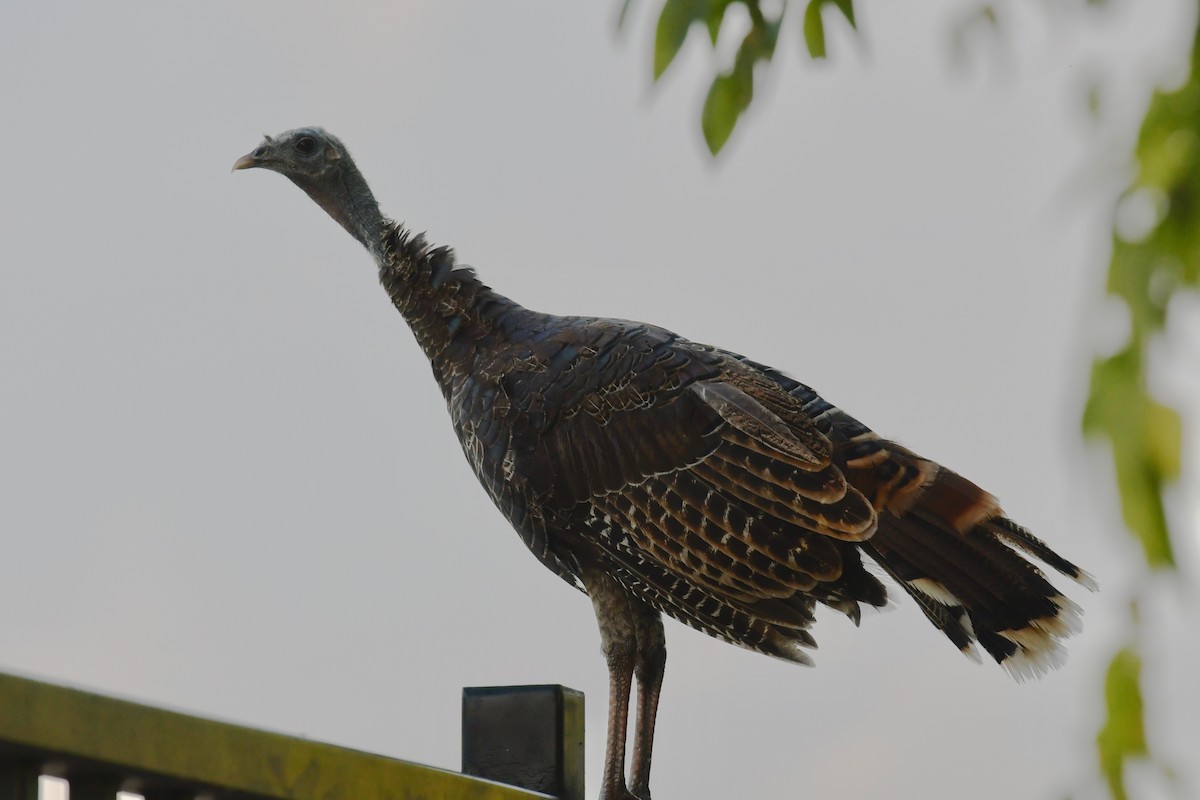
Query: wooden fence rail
531	736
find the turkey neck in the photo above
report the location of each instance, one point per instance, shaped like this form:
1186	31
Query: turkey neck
451	313
345	196
448	309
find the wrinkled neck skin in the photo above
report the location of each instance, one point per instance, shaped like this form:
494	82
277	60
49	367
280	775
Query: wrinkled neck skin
447	308
347	198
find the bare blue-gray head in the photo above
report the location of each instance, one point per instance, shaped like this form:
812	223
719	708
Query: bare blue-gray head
318	162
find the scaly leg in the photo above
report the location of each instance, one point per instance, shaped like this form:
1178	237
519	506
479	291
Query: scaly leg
618	640
649	666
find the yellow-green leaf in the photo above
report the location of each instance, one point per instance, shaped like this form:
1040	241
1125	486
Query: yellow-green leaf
1124	735
1164	435
721	110
1145	439
673	25
814	29
716	15
847	9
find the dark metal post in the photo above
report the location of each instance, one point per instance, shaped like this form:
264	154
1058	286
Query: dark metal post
527	736
94	786
19	779
169	793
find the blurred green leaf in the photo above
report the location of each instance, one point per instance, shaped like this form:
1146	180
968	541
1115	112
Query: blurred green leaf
729	95
624	10
732	91
1167	159
716	16
814	24
673	25
847	9
759	44
814	29
1124	735
1145	437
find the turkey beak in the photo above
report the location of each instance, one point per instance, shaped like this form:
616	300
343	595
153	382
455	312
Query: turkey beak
261	156
245	162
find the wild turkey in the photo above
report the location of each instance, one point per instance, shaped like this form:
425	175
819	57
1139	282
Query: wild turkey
660	475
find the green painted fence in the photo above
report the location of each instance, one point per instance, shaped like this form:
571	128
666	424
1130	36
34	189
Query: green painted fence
102	745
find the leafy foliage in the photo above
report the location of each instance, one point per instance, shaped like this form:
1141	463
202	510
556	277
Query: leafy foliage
733	89
814	24
673	25
1123	735
1146	269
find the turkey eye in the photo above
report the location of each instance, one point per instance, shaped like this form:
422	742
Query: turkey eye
306	145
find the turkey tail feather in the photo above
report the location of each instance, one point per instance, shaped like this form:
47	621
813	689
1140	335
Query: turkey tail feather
952	549
949	545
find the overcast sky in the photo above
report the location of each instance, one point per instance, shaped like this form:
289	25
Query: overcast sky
229	482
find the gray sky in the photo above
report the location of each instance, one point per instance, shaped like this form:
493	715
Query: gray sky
229	484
